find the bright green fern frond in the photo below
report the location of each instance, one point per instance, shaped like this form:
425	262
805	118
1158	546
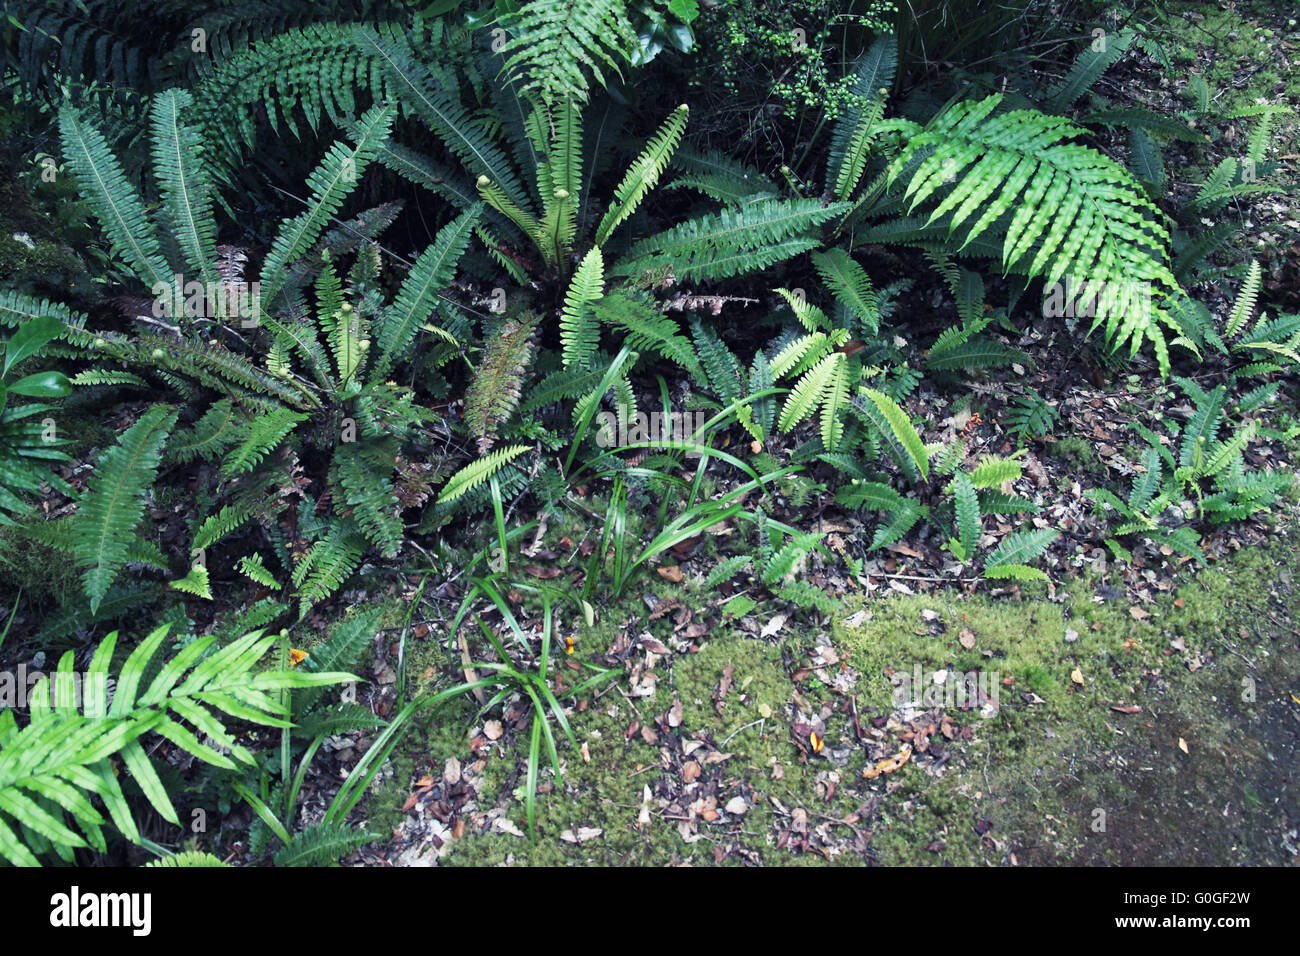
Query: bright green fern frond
968	515
643	174
1243	306
366	492
114	501
733	241
432	272
902	430
477	472
850	284
1079	213
645	328
184	182
579	328
554	43
114	200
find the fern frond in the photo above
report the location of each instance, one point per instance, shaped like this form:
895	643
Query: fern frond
1087	69
850	284
579	328
477	472
733	241
114	500
184	183
1243	306
967	508
1017	549
643	174
645	328
555	43
321	844
1083	213
902	430
262	434
330	183
498	383
114	200
855	131
366	492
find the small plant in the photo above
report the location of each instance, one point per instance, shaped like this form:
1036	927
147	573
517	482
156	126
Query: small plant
1031	416
59	764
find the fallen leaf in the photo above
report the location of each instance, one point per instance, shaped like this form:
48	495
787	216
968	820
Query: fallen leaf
690	771
581	834
736	806
493	730
1076	675
671	573
773	626
451	772
1182	745
967	638
1138	614
1126	708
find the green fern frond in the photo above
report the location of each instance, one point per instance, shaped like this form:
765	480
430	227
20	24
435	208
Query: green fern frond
1243	306
114	200
1019	548
850	284
321	844
497	387
189	859
733	241
645	328
554	43
51	769
643	174
579	328
1101	54
720	177
262	434
195	582
254	568
856	130
902	430
1083	213
968	515
477	472
184	183
114	501
993	471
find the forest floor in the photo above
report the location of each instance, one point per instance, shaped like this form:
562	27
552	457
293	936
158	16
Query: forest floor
1135	713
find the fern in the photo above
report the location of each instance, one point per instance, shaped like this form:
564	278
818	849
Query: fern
186	189
555	43
900	429
854	133
330	183
1010	557
643	174
1079	213
432	272
114	501
1088	67
115	202
968	518
497	387
61	760
477	472
322	843
733	241
579	329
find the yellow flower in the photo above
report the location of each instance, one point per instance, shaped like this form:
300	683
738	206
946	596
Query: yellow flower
296	657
